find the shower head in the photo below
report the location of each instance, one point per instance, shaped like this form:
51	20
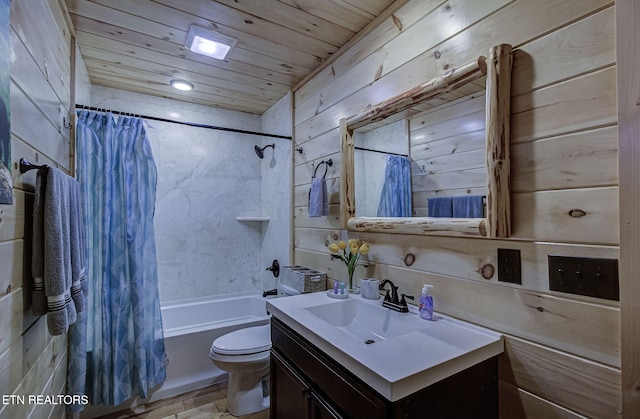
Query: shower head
260	151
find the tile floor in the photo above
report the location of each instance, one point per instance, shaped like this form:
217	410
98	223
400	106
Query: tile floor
205	403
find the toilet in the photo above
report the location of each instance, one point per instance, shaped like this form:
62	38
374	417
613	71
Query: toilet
244	354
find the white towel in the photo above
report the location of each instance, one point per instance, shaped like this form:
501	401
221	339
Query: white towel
318	198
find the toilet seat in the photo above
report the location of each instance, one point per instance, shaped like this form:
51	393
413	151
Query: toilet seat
250	340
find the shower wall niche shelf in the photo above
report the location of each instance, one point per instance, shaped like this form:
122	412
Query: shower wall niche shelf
247	219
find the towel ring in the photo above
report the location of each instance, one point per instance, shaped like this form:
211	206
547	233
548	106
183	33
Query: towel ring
326	167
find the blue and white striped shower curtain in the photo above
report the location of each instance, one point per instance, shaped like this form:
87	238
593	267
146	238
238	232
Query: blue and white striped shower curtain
117	347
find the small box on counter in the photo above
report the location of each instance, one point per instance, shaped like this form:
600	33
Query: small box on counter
303	279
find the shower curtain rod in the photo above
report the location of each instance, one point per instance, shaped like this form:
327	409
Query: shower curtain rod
381	152
190	124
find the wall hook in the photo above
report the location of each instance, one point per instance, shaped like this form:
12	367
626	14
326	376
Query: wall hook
299	150
65	124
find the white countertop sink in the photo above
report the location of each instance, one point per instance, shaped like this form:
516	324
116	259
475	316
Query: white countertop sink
395	353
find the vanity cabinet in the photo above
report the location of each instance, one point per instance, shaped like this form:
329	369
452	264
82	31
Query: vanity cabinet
294	396
306	383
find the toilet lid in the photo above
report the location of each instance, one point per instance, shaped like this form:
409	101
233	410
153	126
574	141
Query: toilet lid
244	341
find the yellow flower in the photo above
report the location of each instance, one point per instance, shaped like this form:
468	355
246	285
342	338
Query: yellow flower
350	253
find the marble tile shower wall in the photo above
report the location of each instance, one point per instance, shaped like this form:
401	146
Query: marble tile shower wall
206	178
276	189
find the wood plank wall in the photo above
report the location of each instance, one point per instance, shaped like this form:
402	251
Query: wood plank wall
562	354
32	361
628	62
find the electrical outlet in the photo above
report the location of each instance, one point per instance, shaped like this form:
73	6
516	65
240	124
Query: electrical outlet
509	266
592	277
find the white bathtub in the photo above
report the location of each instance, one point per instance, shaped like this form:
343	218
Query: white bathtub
191	325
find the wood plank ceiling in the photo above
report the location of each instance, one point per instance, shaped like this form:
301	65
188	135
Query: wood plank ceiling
138	45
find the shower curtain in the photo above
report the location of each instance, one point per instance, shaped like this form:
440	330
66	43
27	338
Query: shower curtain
395	199
117	347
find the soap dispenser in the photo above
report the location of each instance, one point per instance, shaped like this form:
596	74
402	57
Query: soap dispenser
426	303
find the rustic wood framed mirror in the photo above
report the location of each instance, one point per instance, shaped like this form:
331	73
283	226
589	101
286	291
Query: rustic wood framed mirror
494	76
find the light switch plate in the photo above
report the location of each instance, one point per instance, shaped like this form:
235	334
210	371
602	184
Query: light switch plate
509	269
592	277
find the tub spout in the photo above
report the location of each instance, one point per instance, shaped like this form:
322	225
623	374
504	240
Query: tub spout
270	292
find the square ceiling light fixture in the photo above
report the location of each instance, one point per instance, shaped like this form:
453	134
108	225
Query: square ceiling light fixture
207	42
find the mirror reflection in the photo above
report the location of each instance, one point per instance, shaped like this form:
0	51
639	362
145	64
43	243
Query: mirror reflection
382	172
429	164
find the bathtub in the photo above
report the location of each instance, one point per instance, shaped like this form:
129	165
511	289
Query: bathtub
191	325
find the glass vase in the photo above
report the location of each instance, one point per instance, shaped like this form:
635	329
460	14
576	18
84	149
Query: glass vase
353	289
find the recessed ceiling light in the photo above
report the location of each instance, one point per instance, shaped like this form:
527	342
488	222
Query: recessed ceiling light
181	84
210	43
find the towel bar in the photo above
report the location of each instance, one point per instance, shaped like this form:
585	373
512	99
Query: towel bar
26	165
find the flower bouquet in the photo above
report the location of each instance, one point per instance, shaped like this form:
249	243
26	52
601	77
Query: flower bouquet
350	254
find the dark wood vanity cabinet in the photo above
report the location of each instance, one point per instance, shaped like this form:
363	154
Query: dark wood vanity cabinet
306	383
293	395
